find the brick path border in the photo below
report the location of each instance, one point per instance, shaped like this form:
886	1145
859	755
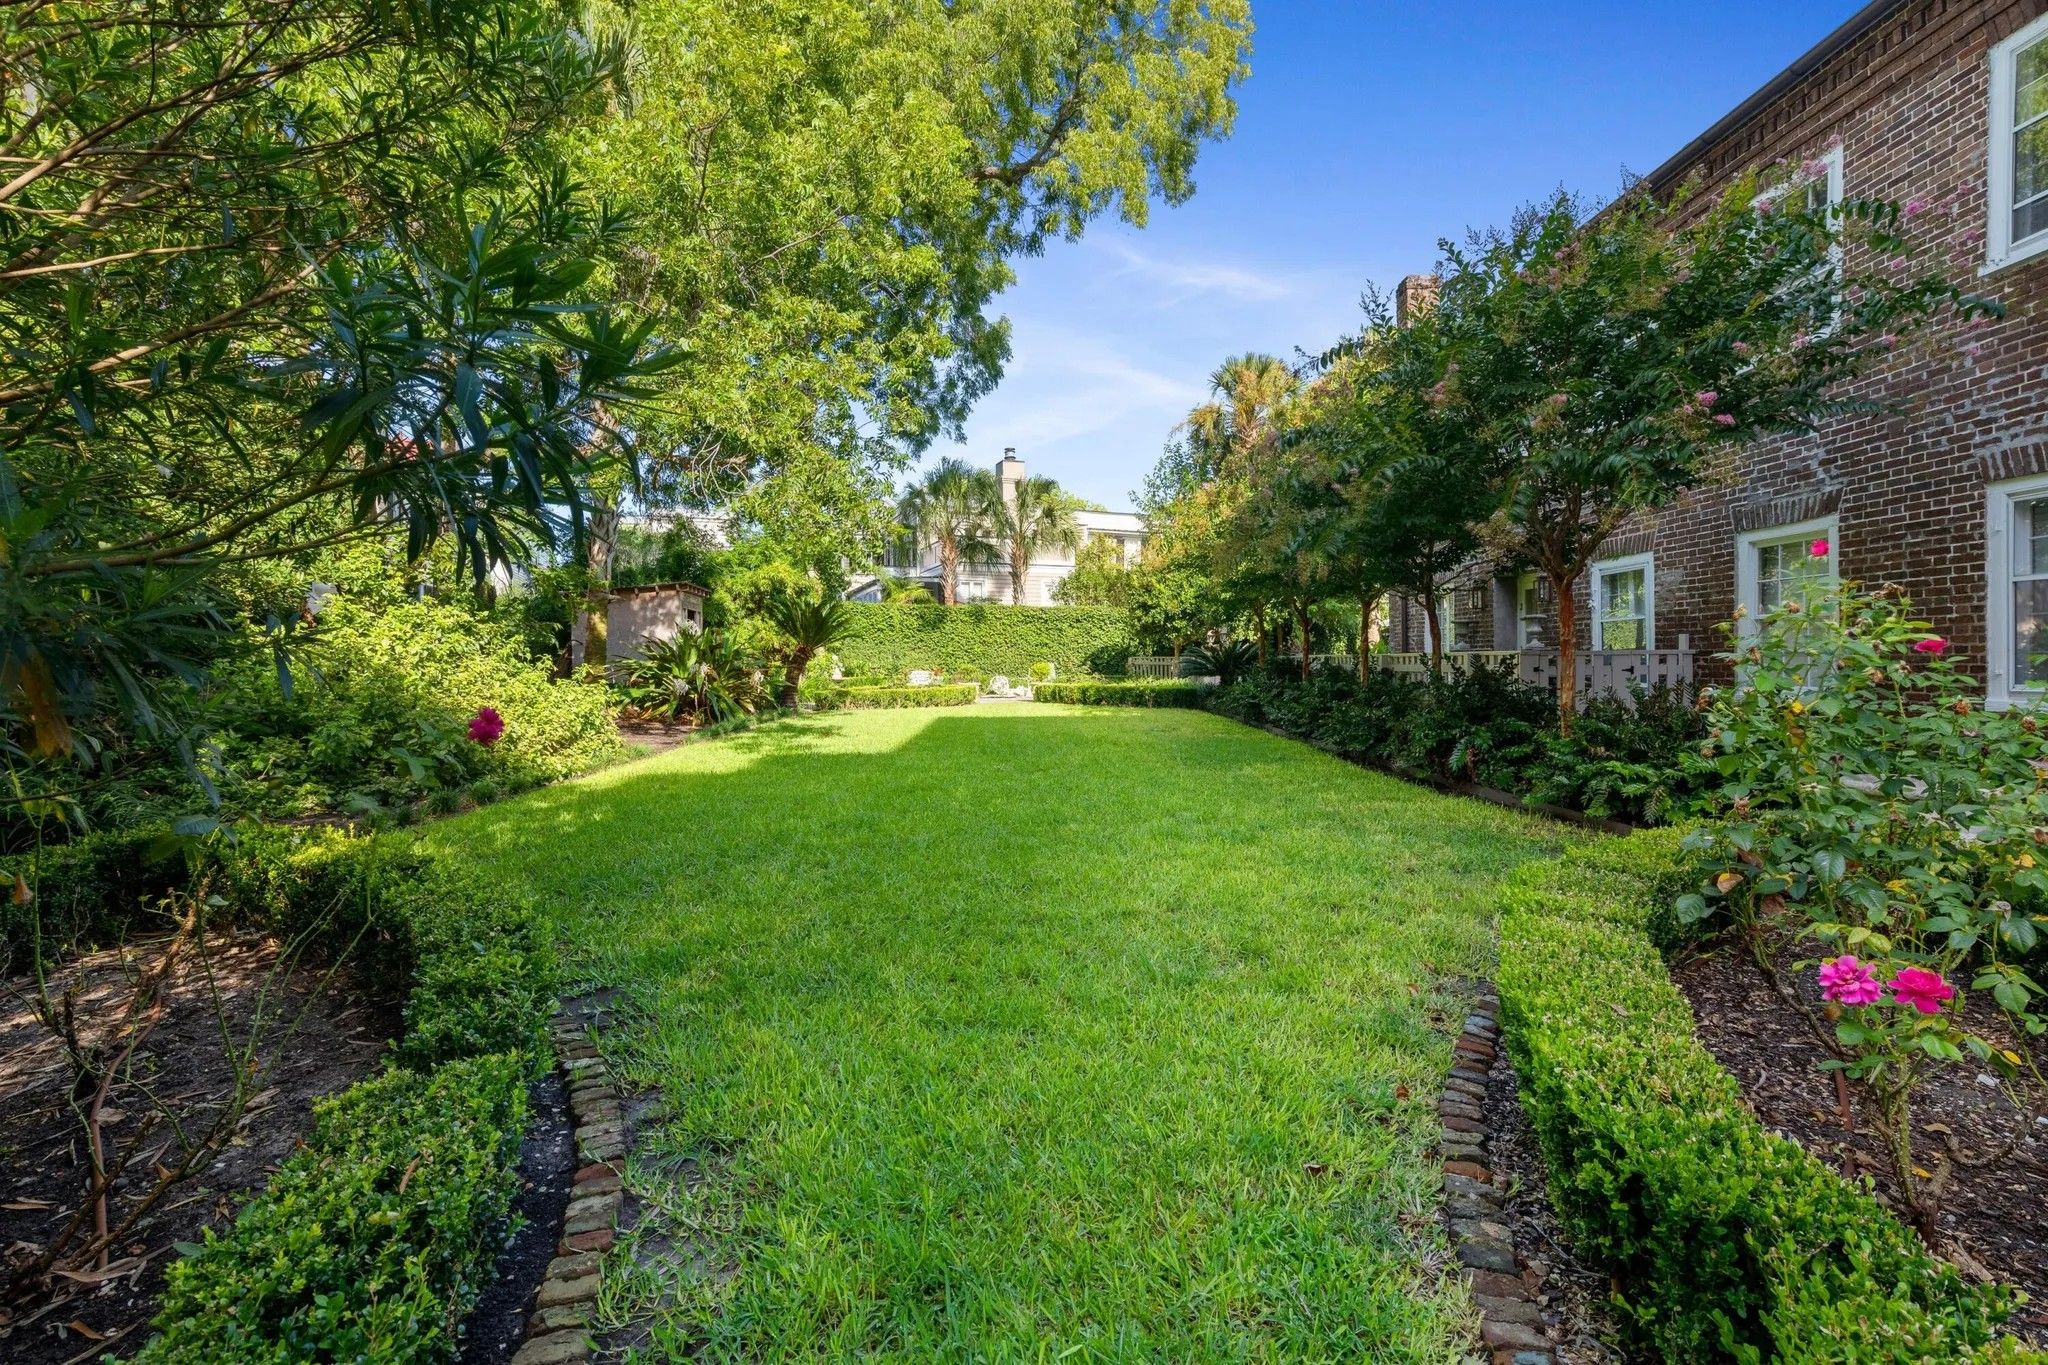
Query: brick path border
558	1332
1503	1285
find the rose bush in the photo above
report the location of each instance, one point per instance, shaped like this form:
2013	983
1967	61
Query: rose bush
1879	817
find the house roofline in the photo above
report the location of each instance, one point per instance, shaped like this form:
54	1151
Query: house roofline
1845	34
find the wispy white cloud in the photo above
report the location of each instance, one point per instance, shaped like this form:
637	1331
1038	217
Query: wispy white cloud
1185	277
1065	384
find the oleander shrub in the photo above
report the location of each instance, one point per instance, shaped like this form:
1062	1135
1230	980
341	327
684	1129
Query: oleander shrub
898	698
985	638
1727	1243
1177	694
373	1240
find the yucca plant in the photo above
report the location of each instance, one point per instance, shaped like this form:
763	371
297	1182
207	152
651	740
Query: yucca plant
1226	662
809	628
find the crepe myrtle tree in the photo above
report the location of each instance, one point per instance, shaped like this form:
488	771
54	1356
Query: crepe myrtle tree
1610	359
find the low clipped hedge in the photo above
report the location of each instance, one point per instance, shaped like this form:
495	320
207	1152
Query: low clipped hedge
985	638
898	698
1183	694
373	1240
1727	1243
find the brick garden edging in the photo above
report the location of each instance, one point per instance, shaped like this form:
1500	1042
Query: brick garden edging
558	1333
1503	1286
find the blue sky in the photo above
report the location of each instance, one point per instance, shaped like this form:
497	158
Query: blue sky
1369	129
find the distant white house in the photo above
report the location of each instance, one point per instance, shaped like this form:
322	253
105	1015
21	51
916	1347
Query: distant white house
919	562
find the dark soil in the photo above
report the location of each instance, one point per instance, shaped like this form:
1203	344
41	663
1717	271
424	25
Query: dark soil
1992	1137
652	737
307	1034
547	1162
1575	1295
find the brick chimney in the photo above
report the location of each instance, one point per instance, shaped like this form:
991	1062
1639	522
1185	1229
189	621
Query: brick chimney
1010	471
1414	296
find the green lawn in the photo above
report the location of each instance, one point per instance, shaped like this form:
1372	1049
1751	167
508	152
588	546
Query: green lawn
1029	1033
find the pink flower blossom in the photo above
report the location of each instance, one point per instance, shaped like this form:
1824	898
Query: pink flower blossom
1915	207
1558	400
1888	341
1706	398
486	726
1847	981
1726	419
1740	348
1973	349
1933	644
1819	548
1972	237
1922	989
1814	169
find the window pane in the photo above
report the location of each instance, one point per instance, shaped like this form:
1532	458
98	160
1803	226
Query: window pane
2029	164
1622	593
2030	632
2030	81
1621	634
2033	527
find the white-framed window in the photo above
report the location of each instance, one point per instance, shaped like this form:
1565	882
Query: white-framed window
1814	189
2017	162
1532	611
2016	586
1773	566
1624	603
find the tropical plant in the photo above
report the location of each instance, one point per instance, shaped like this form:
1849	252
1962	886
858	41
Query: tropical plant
1226	661
700	677
808	627
1037	515
899	591
956	508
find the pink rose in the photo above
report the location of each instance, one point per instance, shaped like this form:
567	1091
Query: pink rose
1933	644
1848	982
1923	990
486	726
1819	548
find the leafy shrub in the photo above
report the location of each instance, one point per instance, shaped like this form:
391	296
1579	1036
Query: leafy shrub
379	710
373	1240
1181	694
985	638
1226	662
1726	1242
700	677
898	698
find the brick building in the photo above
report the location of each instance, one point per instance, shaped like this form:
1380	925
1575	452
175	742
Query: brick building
1945	492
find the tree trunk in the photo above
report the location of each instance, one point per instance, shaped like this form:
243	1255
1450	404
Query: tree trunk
793	678
1433	623
1301	617
1259	629
597	559
1567	654
1365	606
1017	572
949	573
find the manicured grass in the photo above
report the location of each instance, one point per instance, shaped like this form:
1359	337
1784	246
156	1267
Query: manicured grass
1030	1033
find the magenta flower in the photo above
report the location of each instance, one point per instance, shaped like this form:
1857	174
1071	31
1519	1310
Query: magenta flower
1819	548
1726	419
1740	348
1814	169
486	726
1847	981
1933	644
1915	207
1922	989
1706	398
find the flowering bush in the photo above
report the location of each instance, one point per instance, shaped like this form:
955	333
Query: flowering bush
1880	817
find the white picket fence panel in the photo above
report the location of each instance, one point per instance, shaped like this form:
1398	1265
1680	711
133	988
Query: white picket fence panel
1605	672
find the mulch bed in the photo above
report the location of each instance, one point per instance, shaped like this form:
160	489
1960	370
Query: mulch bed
336	1036
496	1327
1995	1216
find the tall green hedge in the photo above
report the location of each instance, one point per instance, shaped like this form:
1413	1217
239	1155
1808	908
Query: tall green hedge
986	638
1727	1242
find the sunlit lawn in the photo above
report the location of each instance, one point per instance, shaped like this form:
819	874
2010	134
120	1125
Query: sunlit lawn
1029	1033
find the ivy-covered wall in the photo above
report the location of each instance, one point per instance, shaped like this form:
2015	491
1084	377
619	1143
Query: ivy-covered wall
986	638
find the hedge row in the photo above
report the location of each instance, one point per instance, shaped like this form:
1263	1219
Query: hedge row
1726	1242
1121	693
985	638
897	698
373	1240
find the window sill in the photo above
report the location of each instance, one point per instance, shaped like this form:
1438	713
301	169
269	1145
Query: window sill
2033	247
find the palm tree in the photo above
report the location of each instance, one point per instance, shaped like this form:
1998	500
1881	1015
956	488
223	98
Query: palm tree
956	508
1038	516
1242	420
810	628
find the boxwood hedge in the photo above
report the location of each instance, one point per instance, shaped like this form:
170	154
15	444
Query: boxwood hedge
1185	694
897	698
372	1241
985	638
1726	1242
